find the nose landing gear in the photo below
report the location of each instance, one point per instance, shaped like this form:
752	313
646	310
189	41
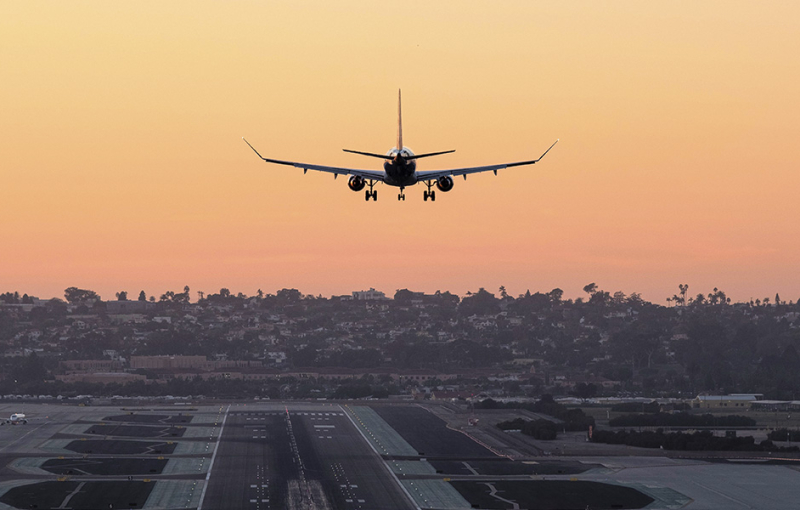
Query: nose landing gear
401	196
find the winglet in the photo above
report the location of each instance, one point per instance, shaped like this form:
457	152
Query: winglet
548	149
254	149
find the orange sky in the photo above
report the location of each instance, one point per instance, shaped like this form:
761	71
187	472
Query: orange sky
122	165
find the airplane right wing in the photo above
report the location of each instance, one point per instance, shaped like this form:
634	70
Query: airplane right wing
431	175
375	175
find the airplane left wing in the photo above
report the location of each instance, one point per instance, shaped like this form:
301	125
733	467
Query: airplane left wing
374	175
431	175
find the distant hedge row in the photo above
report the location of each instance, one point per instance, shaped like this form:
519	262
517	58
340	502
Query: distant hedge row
681	420
650	407
573	418
636	407
784	435
538	429
703	440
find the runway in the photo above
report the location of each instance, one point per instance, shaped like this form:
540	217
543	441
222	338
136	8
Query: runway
298	456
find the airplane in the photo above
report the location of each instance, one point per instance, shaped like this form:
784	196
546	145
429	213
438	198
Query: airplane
15	419
400	168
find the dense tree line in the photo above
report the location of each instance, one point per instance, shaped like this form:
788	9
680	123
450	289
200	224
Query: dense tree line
703	440
634	407
572	418
538	429
784	435
681	420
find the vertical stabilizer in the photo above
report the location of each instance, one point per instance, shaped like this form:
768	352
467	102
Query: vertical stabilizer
399	121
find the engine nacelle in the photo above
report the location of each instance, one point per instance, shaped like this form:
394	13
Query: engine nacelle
444	183
356	183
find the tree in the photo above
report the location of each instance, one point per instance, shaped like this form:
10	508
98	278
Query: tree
480	303
289	295
403	296
684	288
122	295
590	289
200	295
503	293
31	369
142	296
9	298
75	295
585	391
556	295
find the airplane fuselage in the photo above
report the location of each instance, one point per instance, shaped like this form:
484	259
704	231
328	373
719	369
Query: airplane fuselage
400	171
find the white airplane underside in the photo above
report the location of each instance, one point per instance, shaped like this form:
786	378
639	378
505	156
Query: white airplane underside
400	168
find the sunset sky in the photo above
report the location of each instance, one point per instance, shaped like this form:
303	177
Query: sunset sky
122	165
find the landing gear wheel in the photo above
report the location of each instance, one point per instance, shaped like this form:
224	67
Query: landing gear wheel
433	195
367	195
374	196
425	196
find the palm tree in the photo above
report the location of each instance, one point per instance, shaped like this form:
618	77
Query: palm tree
684	288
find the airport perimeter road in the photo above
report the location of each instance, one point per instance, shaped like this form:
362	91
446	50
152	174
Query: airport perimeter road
267	459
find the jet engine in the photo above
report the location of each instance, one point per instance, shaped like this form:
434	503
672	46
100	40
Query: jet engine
356	183
444	183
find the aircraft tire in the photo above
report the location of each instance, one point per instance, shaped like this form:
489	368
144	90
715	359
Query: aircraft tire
433	196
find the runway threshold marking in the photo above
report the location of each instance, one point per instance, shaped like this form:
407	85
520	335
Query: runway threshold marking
213	457
380	459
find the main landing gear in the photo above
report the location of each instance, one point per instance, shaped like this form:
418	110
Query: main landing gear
371	193
401	196
430	193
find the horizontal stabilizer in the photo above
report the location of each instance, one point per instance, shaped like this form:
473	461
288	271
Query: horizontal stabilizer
371	154
417	156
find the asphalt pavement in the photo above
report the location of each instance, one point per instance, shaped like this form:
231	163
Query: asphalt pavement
269	460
